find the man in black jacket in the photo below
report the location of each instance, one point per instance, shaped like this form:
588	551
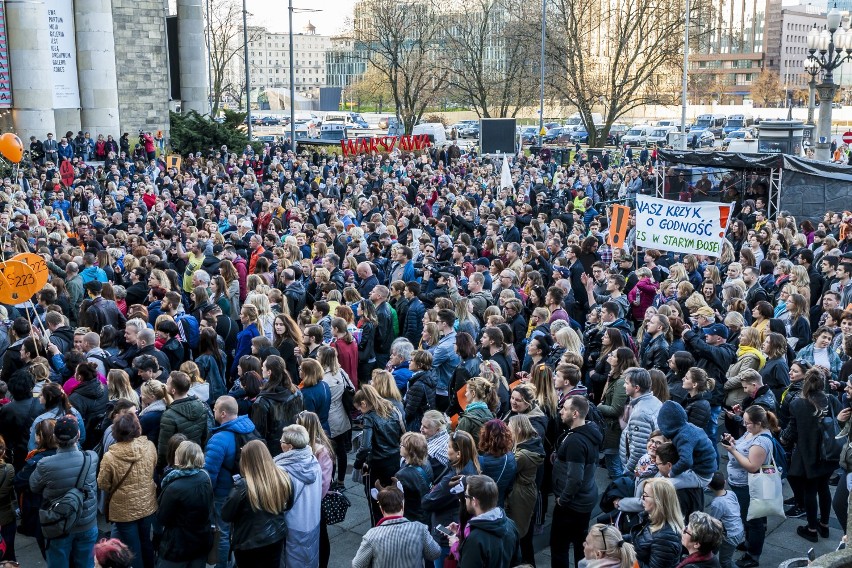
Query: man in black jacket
755	292
574	482
493	539
102	312
137	292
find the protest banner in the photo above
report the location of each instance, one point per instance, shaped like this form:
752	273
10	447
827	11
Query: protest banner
693	228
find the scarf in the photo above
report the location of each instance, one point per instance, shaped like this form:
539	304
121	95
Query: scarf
177	474
695	557
157	405
474	405
745	350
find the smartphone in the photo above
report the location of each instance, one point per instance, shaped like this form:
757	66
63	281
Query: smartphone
811	555
841	546
444	530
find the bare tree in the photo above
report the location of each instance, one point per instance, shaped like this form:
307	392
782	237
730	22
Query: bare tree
766	88
491	61
625	52
225	43
370	89
402	41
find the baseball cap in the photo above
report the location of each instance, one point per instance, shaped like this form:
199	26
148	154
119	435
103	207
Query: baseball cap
66	428
482	262
716	329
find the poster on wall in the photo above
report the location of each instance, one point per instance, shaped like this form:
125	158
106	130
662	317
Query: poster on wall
692	228
5	76
63	53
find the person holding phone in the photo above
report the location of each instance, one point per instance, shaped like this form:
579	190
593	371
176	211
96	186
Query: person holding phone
747	455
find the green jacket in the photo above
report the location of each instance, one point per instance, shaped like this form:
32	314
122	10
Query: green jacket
471	421
187	416
611	408
77	295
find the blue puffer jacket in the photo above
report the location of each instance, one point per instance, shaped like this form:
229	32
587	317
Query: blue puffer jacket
693	446
221	452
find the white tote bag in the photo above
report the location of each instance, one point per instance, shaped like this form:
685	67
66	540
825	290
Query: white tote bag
765	493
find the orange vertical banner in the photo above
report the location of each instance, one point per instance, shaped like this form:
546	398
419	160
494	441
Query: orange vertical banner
618	225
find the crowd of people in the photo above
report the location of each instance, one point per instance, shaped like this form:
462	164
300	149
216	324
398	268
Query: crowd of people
219	346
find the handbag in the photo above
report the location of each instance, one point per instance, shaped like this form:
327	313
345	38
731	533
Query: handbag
109	495
213	553
766	496
348	398
334	507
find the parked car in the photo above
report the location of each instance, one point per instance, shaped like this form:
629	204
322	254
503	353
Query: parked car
581	136
617	131
700	139
553	134
470	131
741	134
528	134
460	125
660	135
270	121
637	135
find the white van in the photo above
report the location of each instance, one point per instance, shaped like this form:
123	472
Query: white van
637	135
660	134
435	131
669	122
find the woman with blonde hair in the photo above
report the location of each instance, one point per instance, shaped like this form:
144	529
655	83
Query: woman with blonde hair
154	398
493	372
378	456
118	386
265	317
158	279
605	547
749	356
185	509
656	538
232	286
340	429
197	385
385	385
316	394
323	450
430	336
257	507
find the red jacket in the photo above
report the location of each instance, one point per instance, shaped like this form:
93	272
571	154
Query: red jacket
347	356
646	289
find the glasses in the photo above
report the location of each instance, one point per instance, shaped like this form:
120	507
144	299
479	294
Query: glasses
645	496
687	531
747	424
466	496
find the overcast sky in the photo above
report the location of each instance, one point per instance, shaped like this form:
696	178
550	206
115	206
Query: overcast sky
273	14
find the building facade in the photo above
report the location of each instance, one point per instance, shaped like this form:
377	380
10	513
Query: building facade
100	66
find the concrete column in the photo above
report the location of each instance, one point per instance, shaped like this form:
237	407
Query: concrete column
29	59
96	67
193	56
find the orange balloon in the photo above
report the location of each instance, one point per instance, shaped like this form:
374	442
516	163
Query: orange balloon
11	147
20	282
38	264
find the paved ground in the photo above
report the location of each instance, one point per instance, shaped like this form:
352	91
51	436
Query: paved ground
781	543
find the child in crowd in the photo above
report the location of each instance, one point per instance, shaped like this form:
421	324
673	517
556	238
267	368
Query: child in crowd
726	508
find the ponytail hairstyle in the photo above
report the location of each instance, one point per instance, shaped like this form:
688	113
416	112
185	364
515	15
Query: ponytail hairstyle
699	378
765	419
812	385
608	540
484	390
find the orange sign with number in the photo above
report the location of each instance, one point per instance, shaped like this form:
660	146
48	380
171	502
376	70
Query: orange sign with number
38	264
20	282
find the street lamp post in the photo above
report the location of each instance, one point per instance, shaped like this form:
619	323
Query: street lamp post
812	69
834	47
541	69
248	73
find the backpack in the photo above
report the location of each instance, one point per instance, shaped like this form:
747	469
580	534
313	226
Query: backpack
95	427
59	517
595	417
241	439
189	329
779	454
111	362
830	445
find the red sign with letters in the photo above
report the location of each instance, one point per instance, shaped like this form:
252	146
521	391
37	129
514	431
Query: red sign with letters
384	144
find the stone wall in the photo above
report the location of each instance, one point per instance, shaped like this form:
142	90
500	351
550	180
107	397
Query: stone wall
142	65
